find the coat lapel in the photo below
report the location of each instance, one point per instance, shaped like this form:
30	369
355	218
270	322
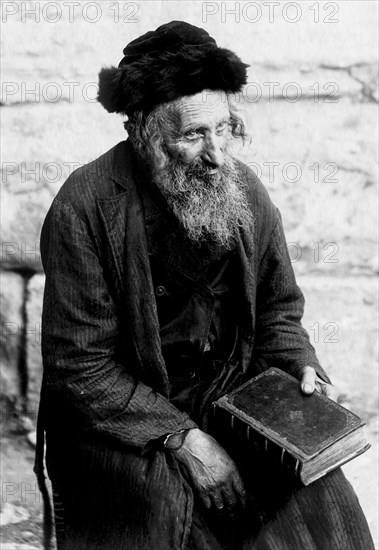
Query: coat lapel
123	221
113	215
247	259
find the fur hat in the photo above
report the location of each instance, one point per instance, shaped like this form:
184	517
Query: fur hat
175	60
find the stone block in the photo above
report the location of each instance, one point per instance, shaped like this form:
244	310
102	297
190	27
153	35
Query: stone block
33	342
11	316
32	175
22	217
367	75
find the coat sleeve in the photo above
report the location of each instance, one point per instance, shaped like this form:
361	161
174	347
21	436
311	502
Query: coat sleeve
84	375
281	340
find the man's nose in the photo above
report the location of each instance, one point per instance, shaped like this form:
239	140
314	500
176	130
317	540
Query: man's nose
212	152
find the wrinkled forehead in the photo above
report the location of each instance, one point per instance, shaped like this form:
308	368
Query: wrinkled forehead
205	109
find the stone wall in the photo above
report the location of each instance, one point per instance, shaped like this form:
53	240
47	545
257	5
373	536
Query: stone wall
311	103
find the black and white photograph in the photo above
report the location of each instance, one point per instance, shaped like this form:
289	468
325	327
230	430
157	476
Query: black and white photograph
189	275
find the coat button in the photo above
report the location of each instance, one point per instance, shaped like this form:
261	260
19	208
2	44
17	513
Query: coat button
160	290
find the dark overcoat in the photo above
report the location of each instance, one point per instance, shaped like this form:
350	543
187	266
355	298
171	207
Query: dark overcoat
105	385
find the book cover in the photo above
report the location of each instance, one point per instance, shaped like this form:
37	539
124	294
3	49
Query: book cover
315	432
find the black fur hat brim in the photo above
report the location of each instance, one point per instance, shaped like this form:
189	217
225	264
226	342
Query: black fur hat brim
153	79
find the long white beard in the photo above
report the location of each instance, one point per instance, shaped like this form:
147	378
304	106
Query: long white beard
210	207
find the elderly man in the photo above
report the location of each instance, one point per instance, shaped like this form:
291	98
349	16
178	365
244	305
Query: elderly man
168	283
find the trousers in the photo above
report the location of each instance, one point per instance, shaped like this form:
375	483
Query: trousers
119	501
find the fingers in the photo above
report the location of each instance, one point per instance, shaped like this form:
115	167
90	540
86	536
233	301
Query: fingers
211	471
217	501
240	491
223	498
311	382
308	380
327	389
229	497
224	502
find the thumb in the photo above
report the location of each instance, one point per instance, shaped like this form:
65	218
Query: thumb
308	380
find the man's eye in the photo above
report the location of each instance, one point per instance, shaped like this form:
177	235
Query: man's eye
192	135
222	127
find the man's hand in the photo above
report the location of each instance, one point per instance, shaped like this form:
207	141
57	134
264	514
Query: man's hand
310	382
211	472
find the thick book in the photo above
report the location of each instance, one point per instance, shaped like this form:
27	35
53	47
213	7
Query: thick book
309	435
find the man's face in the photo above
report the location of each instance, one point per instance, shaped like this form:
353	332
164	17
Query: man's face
199	179
201	131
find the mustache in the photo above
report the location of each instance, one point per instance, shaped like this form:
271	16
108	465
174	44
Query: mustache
199	168
204	171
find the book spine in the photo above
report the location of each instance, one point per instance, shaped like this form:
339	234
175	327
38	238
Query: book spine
281	455
256	441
